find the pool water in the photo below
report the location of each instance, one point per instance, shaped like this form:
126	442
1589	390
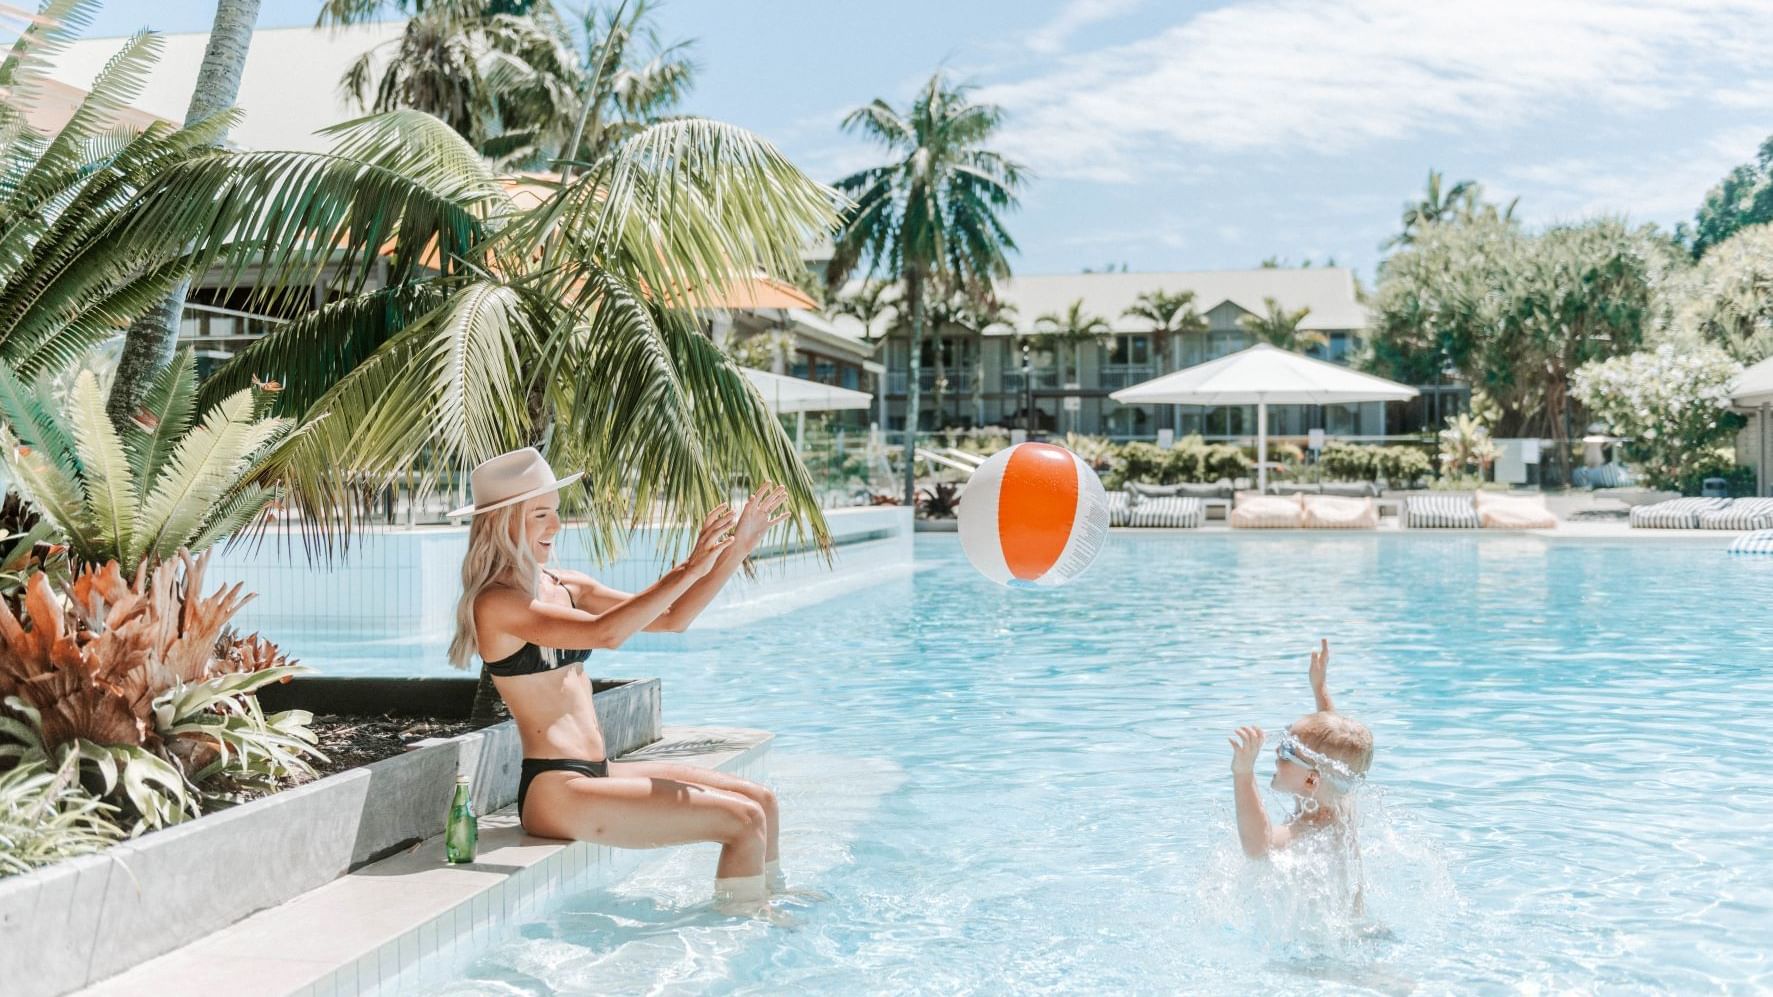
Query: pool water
1009	791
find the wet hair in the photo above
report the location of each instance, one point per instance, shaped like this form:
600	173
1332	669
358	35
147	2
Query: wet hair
1339	736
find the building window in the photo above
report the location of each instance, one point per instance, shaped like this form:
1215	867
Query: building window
825	371
1133	350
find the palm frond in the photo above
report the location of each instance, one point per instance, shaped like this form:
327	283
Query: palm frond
105	470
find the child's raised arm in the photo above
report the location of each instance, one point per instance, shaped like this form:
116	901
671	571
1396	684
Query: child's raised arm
1253	829
1320	662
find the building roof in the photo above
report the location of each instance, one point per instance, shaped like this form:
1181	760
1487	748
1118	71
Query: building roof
288	91
1754	386
1327	291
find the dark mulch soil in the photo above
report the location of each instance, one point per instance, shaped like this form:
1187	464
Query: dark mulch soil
350	741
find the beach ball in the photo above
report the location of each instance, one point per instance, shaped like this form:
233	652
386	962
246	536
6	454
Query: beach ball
1034	514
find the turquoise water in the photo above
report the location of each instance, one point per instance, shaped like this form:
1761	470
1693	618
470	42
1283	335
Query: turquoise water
1027	791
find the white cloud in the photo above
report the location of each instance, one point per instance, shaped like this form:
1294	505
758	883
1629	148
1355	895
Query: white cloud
1332	77
1052	36
1664	187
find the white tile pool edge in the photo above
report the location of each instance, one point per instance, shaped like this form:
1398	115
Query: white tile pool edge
450	915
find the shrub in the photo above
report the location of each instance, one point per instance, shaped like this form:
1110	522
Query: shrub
45	816
1136	462
1402	466
142	685
162	484
1672	404
1348	462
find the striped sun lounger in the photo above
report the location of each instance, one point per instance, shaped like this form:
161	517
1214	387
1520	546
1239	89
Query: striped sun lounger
1675	514
1758	542
1118	509
1440	512
1742	514
1173	511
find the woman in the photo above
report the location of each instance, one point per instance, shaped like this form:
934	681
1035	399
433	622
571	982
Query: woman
533	626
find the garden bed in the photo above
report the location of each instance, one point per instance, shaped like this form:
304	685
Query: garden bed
70	924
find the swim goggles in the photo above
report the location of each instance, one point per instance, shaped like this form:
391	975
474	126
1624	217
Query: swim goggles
1340	776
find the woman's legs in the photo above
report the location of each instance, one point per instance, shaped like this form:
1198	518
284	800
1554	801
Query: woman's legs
757	793
629	811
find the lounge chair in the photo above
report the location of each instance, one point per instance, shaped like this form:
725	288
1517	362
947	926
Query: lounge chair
1335	512
1267	512
1758	542
1171	511
1443	512
1675	514
1742	514
1513	512
1117	508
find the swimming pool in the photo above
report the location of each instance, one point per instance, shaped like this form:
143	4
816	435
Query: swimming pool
1009	791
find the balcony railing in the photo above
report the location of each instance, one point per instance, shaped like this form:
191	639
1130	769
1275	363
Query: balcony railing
1116	376
959	379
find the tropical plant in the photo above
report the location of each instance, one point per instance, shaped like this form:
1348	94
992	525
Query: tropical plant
931	216
765	351
1466	447
1513	313
982	313
1740	200
1171	314
1726	299
1400	466
871	303
167	481
145	687
939	501
1673	406
1073	328
1279	326
47	816
1435	206
1095	451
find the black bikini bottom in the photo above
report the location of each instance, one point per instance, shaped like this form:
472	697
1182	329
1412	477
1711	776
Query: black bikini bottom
533	767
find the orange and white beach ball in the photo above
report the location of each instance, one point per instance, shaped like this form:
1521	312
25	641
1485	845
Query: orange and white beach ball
1034	514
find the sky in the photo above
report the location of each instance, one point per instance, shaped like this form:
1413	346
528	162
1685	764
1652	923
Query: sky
1194	135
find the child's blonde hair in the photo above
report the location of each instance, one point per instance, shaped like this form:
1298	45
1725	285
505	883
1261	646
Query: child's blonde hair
1339	736
498	554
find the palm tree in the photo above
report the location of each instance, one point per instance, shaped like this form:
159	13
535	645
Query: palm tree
1434	207
1074	328
932	215
869	303
1280	327
149	344
632	79
1171	315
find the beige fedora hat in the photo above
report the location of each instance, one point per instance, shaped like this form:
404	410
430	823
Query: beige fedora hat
510	478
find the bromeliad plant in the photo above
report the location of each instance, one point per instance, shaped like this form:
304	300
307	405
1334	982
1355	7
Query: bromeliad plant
46	816
167	481
142	684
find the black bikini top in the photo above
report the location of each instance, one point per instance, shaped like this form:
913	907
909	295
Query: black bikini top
528	659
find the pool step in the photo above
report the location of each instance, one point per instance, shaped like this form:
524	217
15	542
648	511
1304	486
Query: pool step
382	927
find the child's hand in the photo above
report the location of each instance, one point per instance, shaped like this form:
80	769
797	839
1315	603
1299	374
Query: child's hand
1246	744
1320	663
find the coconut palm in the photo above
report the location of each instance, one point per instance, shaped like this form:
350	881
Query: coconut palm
631	79
1171	315
1278	326
166	481
1435	206
869	303
931	216
1073	328
148	347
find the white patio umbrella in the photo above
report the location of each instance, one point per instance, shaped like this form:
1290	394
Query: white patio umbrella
800	396
1264	375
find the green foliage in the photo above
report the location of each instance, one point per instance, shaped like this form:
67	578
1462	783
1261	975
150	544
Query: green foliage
167	481
47	816
1192	461
1739	479
1673	405
1512	313
1400	466
1278	326
1741	200
152	702
1726	299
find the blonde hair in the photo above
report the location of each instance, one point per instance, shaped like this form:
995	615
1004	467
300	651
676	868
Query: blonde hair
1339	736
498	554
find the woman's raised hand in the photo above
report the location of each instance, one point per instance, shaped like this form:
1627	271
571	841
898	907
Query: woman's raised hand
762	511
713	540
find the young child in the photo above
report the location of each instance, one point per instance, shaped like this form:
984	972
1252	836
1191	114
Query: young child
1322	758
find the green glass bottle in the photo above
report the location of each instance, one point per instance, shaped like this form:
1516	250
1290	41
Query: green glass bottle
463	834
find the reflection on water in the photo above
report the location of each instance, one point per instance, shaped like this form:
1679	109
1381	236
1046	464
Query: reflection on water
1010	791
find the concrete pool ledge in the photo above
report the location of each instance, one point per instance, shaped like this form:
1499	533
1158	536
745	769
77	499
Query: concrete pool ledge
411	917
75	922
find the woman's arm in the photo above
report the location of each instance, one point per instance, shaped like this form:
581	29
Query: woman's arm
548	625
759	515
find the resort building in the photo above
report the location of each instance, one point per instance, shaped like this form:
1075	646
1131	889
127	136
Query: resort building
969	378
